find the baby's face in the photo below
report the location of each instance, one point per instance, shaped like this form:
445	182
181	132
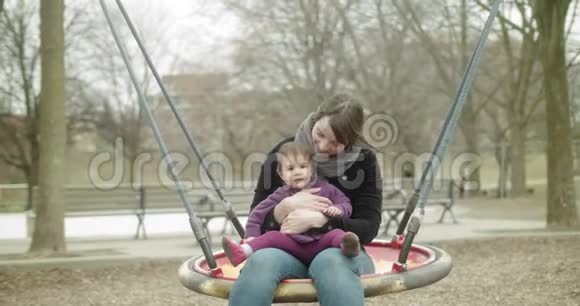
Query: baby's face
295	171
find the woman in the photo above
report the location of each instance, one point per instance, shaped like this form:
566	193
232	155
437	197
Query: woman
334	133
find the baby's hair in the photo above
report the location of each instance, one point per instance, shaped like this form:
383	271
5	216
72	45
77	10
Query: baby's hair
293	149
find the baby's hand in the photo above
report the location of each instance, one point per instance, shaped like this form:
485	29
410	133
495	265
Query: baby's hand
332	211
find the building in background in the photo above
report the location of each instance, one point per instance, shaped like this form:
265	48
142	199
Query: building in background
199	100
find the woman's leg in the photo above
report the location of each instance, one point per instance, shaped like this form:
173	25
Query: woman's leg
260	277
336	277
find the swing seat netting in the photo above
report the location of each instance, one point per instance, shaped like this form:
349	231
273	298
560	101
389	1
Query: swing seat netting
425	265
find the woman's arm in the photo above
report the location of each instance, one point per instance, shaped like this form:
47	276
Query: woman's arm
302	212
281	211
302	220
303	200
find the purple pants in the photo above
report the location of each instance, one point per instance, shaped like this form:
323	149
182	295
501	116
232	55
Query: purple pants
303	251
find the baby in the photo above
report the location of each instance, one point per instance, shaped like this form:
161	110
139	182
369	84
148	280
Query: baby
295	167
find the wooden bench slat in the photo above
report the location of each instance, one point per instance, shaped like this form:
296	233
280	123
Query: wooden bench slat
97	213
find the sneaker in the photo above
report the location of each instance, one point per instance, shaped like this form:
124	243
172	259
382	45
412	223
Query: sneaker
233	251
350	246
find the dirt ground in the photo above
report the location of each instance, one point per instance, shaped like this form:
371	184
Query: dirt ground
506	271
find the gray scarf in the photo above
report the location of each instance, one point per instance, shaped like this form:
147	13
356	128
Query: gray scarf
332	166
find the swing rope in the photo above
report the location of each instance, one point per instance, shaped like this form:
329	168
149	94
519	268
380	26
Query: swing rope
193	219
227	205
421	194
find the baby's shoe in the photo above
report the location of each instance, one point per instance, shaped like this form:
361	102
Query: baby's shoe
350	246
233	251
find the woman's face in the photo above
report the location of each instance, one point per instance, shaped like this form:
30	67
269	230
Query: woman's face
324	139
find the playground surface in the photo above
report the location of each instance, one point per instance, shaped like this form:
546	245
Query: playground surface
502	255
523	270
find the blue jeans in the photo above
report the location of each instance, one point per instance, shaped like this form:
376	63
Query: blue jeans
335	276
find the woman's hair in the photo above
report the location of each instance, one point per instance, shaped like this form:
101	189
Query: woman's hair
293	149
346	118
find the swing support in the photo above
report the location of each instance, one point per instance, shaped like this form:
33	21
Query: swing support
412	217
421	194
193	219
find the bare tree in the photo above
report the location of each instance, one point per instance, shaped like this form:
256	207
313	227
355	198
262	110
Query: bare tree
290	57
309	49
292	46
242	136
448	61
20	53
518	96
388	71
118	113
48	236
551	18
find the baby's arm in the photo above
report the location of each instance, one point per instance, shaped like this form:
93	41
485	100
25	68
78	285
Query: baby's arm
258	214
332	211
340	202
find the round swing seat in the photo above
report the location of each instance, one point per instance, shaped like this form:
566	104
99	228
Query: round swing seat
425	265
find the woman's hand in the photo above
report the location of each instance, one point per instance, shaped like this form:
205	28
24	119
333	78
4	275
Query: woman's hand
301	220
305	199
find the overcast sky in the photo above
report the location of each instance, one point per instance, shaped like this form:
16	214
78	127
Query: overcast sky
198	31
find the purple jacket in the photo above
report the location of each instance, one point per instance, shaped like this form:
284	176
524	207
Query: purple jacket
327	190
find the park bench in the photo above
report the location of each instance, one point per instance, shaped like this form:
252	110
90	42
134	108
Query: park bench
205	203
442	194
394	203
397	193
88	201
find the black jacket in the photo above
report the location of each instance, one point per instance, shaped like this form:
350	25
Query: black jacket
361	183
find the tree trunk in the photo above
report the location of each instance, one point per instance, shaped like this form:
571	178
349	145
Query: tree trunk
517	110
32	172
31	182
469	122
576	144
48	235
561	196
503	161
472	143
518	159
